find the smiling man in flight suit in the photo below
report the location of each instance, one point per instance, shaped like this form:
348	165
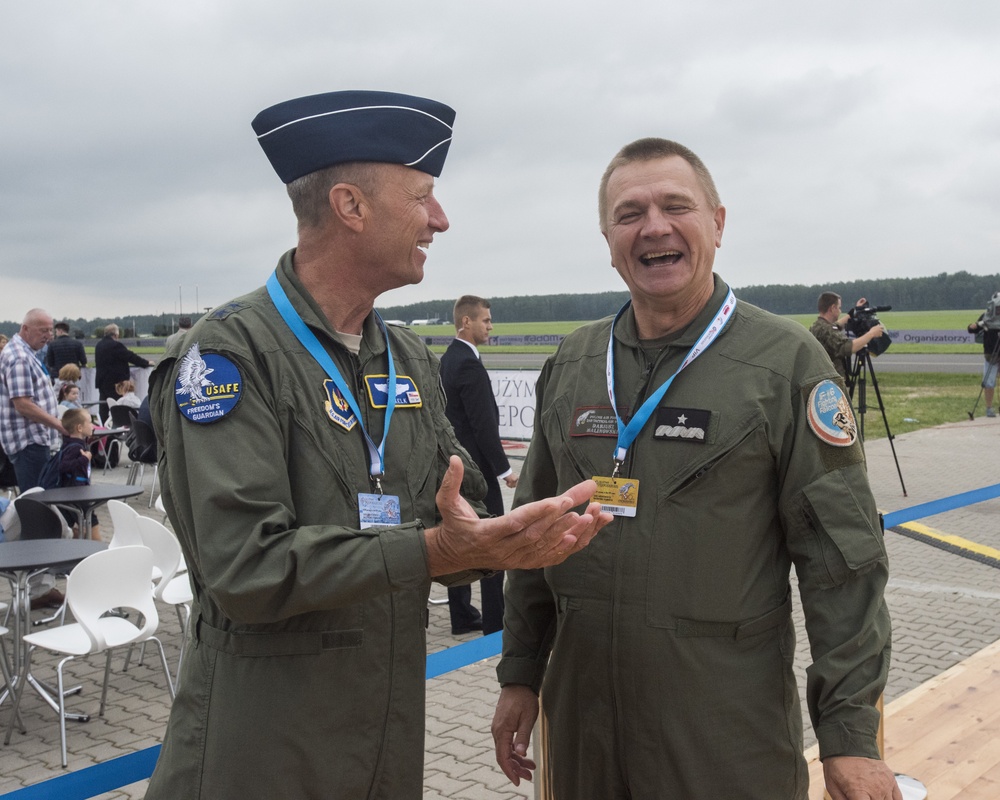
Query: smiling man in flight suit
728	453
312	479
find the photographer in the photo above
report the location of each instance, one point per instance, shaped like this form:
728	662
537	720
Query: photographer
829	330
991	355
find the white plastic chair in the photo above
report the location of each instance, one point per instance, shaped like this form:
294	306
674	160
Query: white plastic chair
125	529
158	505
125	524
173	588
111	579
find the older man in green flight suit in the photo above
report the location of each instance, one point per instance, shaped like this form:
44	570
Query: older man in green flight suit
723	442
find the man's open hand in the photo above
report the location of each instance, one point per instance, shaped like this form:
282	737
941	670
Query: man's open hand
535	535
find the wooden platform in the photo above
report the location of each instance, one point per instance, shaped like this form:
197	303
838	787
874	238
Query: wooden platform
945	733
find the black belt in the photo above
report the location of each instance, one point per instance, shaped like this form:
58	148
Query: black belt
268	643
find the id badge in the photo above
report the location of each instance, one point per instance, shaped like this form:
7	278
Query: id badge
378	511
617	496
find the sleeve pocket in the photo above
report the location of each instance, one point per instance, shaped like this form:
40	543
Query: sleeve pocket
846	526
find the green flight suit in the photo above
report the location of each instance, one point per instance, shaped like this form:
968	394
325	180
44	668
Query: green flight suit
671	638
304	677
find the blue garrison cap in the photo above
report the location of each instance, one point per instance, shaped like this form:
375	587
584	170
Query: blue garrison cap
311	133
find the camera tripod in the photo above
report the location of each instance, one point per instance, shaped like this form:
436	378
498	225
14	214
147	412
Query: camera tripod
857	378
993	360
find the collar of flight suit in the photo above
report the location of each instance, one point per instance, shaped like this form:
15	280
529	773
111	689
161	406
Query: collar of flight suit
372	339
626	332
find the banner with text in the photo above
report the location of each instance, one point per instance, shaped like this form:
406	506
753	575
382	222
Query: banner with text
514	390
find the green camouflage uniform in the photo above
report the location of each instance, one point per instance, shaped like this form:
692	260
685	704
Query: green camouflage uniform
835	342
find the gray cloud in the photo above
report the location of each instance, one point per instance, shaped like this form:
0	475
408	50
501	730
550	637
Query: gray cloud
855	140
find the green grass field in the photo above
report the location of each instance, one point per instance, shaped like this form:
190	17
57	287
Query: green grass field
914	400
894	320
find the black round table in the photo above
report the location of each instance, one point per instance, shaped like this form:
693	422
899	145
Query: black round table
84	499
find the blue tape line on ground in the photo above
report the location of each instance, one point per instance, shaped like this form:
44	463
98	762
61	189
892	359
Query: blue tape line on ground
92	781
462	655
138	766
940	506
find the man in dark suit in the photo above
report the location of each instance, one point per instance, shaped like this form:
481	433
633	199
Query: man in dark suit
111	362
64	349
473	413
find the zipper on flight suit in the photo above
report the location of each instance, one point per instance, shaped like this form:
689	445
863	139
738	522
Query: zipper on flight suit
626	470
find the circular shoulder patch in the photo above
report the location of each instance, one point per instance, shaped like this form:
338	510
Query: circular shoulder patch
830	415
207	387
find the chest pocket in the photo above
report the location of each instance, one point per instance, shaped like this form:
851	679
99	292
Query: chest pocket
576	458
716	539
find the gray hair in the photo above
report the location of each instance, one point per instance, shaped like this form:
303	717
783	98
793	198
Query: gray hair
310	194
650	149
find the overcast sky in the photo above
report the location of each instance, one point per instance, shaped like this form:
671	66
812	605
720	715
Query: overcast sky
850	139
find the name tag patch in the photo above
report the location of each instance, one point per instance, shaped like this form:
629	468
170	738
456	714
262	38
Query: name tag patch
407	394
830	415
207	387
595	421
689	424
337	408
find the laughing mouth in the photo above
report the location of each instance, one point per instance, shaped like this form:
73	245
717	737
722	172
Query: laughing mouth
666	258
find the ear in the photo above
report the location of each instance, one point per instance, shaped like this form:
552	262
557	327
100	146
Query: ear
349	205
720	223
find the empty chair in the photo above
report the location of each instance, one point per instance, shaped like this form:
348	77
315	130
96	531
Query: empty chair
172	588
111	579
124	523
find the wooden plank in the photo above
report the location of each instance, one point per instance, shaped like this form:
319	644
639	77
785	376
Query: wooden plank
945	733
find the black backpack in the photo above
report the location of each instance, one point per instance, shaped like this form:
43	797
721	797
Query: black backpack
50	476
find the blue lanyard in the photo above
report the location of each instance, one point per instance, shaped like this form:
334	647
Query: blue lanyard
627	433
376	454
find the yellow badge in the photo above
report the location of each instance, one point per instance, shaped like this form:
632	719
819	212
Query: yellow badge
617	496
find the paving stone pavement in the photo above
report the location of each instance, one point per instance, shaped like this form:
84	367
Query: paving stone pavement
945	607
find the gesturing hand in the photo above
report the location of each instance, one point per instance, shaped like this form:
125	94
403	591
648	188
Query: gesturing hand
535	535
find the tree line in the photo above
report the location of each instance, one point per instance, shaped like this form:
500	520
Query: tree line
958	290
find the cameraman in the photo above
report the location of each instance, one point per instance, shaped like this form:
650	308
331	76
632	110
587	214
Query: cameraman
829	330
991	356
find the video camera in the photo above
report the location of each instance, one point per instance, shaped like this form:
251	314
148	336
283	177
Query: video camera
862	319
991	318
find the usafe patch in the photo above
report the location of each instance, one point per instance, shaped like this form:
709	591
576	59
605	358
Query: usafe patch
407	393
337	408
595	421
208	387
689	424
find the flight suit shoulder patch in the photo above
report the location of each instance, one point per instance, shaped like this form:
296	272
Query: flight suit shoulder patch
831	420
208	386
